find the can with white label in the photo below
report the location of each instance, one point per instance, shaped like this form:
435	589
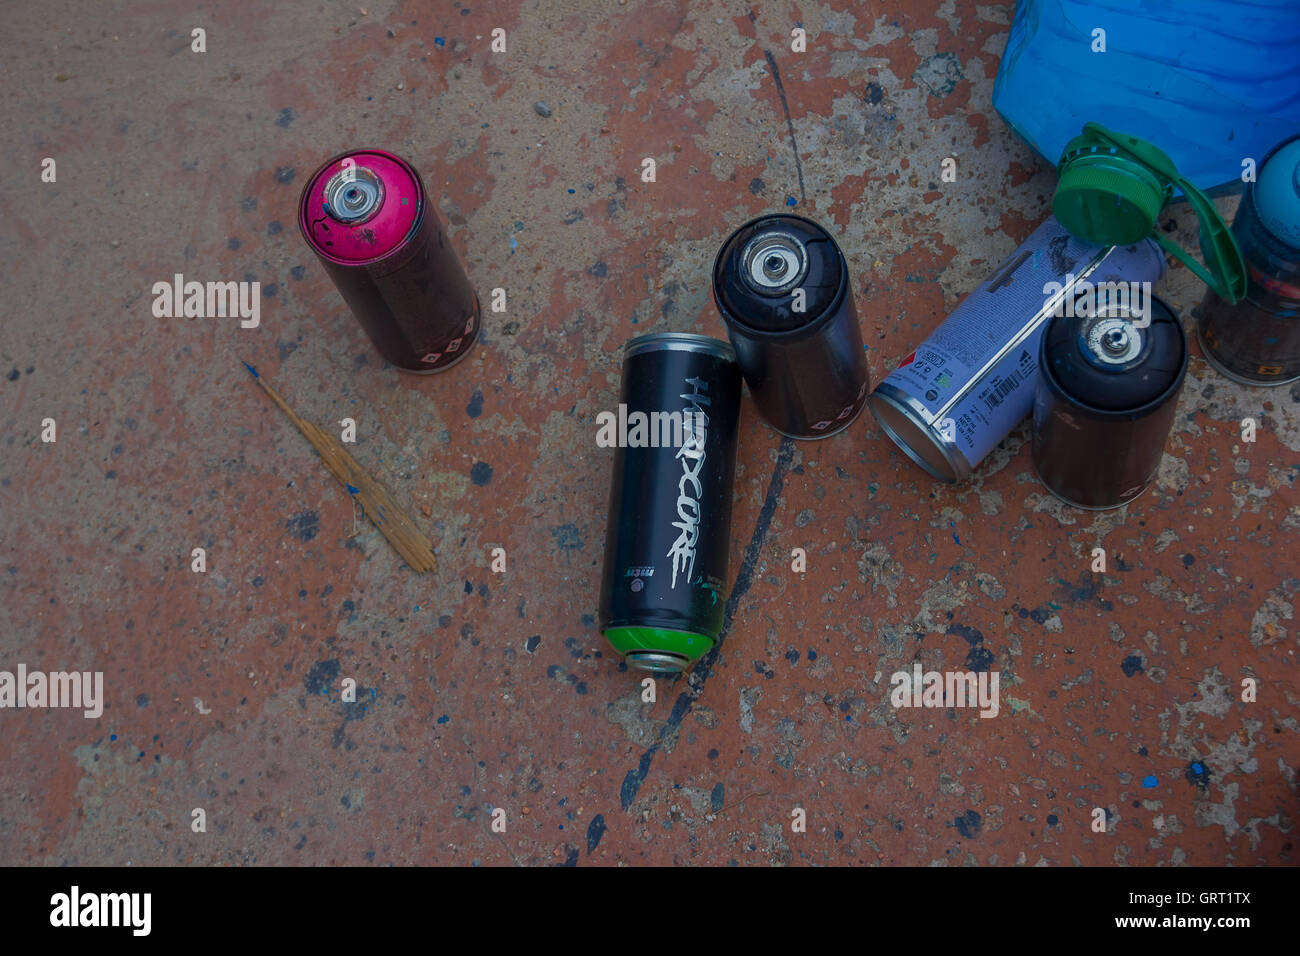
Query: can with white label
951	401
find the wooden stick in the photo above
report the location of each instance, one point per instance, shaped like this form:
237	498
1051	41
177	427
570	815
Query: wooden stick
379	506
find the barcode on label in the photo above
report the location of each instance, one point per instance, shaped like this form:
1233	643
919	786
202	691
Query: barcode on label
1002	389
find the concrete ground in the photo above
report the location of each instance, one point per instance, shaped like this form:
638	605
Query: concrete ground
479	691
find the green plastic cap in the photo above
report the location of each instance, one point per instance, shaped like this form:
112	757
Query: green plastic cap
1111	190
1108	198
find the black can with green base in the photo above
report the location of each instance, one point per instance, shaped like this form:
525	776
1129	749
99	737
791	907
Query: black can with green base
663	590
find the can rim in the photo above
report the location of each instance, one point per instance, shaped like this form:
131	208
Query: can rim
1048	376
657	662
679	342
416	224
883	393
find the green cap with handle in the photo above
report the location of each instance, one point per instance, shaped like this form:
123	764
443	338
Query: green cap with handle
1111	190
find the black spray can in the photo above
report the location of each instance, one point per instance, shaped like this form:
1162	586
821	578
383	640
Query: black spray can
664	585
1257	341
1105	400
782	287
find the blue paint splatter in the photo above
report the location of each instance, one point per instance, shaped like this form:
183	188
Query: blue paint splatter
439	41
595	830
353	489
251	371
791	201
1131	665
1198	775
1150	782
443	719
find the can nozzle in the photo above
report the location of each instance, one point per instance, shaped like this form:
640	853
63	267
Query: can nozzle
353	195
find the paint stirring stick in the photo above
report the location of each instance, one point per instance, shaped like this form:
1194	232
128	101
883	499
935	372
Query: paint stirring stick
379	506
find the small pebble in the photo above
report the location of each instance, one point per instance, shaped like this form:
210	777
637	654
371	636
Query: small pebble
542	108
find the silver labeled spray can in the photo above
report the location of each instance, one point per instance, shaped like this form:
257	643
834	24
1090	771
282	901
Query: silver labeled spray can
951	401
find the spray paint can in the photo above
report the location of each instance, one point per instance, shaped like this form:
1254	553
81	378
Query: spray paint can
1257	341
366	216
951	401
781	285
1105	400
663	590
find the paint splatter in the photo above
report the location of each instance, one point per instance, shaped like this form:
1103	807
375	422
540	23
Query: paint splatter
1198	774
940	74
320	679
305	525
481	473
1132	665
567	537
969	824
1150	782
595	830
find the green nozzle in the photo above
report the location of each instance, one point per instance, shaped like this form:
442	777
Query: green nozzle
1111	191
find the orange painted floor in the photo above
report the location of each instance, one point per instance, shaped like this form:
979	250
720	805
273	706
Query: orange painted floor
479	691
